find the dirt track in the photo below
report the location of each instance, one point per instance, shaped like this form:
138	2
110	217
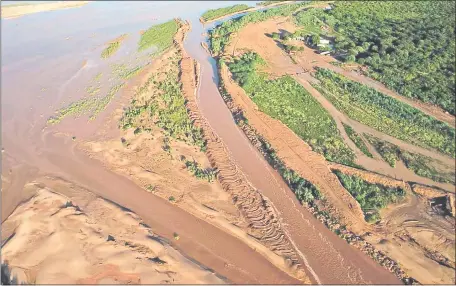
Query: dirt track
253	37
411	255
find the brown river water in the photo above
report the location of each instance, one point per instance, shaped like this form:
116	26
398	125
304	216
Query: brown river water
47	61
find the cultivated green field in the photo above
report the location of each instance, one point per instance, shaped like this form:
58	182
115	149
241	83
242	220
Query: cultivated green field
408	45
384	113
286	100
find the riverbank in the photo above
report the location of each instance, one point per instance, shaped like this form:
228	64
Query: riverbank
21	9
62	222
403	258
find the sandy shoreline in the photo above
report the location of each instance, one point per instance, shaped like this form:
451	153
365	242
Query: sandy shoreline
14	11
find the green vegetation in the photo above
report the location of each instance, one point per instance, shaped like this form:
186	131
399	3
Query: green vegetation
220	12
386	114
408	45
172	199
220	36
311	22
151	188
208	174
267	3
91	105
286	100
419	164
113	46
97	77
160	36
102	102
132	72
305	191
93	90
371	197
356	138
166	109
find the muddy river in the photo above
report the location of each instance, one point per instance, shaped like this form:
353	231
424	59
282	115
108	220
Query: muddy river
49	58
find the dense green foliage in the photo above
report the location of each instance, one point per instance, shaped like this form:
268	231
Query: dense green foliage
385	113
160	36
166	110
89	105
371	197
270	2
220	36
310	22
419	164
286	100
208	174
112	47
356	138
408	45
220	12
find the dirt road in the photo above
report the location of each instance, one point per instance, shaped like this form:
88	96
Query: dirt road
253	37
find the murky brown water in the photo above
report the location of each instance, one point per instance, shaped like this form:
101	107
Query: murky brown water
42	70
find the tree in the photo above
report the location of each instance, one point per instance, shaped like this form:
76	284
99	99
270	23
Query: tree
315	39
350	58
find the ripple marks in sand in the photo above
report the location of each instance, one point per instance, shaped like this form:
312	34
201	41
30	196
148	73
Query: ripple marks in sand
263	220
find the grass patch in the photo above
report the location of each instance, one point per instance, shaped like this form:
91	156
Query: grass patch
93	90
356	138
165	109
371	197
220	12
286	100
113	47
91	105
131	72
160	36
419	164
385	114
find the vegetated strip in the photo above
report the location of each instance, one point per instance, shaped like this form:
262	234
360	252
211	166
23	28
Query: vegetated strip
286	100
306	192
113	47
268	3
371	197
90	105
408	46
220	12
166	110
220	36
356	138
384	113
419	164
160	36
